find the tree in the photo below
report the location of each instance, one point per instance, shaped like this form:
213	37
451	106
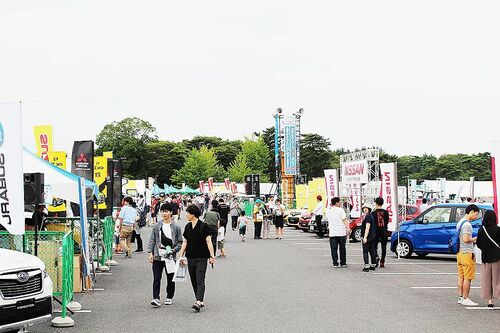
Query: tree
257	156
227	152
200	164
128	139
268	137
315	155
239	169
163	158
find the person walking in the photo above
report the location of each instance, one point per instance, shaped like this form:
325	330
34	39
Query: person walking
258	218
317	214
368	232
176	209
127	218
465	257
424	206
279	211
164	244
381	219
338	232
243	223
136	235
198	248
212	219
223	210
234	214
488	241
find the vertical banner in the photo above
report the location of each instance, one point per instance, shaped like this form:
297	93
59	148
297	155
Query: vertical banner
43	140
201	186
210	184
227	182
117	183
82	159
389	192
83	226
110	181
100	175
495	172
58	158
355	199
331	185
234	187
11	169
290	137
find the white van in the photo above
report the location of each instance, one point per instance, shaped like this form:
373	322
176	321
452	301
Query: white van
25	291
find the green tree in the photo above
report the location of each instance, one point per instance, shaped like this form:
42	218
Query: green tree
315	155
239	169
257	156
128	139
226	153
200	164
163	158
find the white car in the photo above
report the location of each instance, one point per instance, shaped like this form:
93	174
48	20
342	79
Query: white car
25	291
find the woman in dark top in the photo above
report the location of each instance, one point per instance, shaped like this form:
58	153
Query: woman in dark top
164	243
488	240
197	246
368	232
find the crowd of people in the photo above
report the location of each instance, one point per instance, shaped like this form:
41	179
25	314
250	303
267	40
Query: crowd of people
203	238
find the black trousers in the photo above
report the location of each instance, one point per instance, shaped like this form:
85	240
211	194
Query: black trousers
335	243
158	269
234	222
223	223
136	236
382	240
318	219
197	268
258	229
368	248
214	236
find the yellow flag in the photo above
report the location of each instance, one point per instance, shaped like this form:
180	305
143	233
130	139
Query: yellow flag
100	173
43	140
58	158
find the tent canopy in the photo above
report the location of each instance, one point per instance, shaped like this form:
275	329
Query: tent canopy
63	184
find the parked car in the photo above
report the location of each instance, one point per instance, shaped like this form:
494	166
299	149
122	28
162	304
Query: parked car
292	216
304	221
314	228
25	291
431	230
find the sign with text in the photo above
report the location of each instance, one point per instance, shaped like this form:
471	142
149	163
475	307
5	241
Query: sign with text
355	199
11	169
389	192
210	184
201	186
227	183
355	172
290	137
43	140
332	185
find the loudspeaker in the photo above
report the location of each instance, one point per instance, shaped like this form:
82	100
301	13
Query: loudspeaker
34	188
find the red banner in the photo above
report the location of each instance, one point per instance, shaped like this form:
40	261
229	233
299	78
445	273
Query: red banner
201	186
389	192
210	184
227	182
234	187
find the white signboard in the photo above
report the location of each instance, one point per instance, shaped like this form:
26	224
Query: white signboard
332	185
389	192
355	172
11	169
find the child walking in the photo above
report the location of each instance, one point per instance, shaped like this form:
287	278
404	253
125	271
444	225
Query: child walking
242	223
220	241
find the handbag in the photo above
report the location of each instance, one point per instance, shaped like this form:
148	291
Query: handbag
180	272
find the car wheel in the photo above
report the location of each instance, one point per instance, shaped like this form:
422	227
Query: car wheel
305	230
422	255
404	248
297	227
356	235
320	234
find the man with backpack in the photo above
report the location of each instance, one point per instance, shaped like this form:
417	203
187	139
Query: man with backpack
465	256
381	218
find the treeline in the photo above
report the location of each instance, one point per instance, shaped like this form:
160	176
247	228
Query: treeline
191	160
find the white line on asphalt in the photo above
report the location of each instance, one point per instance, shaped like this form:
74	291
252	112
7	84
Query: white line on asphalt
97	289
455	287
482	308
308	244
317	249
397	263
99	273
350	255
431	273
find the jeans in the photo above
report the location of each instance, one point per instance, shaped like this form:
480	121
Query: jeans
258	229
368	248
158	269
335	242
383	241
197	268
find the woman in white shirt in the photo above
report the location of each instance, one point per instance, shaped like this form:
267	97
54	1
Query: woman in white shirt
279	211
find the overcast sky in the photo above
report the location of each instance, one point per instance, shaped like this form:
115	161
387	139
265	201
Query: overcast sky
409	76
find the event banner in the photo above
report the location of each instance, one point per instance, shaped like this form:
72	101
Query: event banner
210	184
355	199
290	139
355	172
11	169
234	187
43	140
331	185
58	158
100	175
57	205
495	172
82	159
227	183
110	181
117	183
389	192
201	186
84	226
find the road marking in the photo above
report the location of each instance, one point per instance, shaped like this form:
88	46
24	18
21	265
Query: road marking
397	263
317	249
100	273
350	255
308	244
97	289
482	308
431	273
455	287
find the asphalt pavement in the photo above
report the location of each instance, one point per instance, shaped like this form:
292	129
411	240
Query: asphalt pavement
286	285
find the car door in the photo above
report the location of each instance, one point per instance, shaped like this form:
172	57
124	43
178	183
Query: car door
430	233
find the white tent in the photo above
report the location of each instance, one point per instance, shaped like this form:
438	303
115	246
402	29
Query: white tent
64	184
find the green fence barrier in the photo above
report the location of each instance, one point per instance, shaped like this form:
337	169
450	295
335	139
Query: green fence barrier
67	273
108	239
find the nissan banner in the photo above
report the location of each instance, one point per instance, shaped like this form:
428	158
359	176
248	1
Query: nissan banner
332	185
11	169
389	192
355	172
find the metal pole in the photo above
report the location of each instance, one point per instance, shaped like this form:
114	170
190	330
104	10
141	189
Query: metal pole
277	150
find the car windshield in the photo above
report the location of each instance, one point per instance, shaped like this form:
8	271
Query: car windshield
461	213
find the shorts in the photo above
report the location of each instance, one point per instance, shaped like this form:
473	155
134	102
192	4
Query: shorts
243	230
466	266
220	244
126	233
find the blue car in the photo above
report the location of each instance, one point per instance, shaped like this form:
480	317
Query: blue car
431	231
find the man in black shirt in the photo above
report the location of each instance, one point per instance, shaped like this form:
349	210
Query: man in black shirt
381	219
197	246
223	213
176	208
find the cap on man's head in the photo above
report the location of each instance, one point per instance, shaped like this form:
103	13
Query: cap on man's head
259	201
162	195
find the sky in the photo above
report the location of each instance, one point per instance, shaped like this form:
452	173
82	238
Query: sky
412	77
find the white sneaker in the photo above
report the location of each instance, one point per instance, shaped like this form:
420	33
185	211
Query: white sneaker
156	303
460	300
468	302
168	301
